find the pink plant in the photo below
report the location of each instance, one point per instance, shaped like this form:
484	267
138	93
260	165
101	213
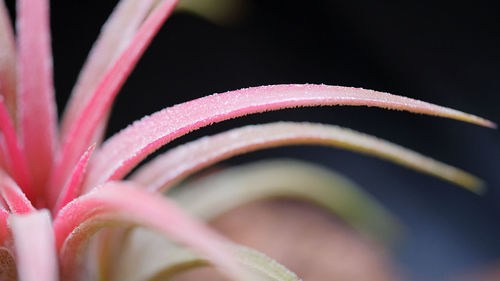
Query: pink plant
59	185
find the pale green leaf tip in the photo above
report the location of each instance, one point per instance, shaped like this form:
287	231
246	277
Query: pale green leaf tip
475	185
221	12
469	182
487	123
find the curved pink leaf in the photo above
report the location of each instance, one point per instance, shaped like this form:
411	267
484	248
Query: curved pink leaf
13	195
115	35
72	188
125	150
123	203
93	113
15	159
184	160
36	257
7	61
37	108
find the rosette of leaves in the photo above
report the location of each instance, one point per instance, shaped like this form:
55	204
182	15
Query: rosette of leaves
62	184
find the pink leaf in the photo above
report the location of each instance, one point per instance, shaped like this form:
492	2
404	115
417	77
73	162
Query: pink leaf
37	109
7	61
120	203
92	115
115	36
184	160
36	257
72	188
125	150
4	228
14	157
14	196
3	153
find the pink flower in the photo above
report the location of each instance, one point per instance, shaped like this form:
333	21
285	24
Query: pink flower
59	185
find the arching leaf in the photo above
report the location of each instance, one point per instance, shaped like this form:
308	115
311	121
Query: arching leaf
179	162
120	203
215	194
125	150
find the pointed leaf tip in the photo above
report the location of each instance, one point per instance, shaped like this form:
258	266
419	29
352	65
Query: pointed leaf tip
125	150
72	187
179	162
13	195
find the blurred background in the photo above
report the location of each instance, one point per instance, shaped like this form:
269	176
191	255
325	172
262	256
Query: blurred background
444	53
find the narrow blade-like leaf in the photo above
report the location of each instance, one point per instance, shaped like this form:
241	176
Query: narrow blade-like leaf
115	36
13	195
14	158
92	115
149	256
120	203
125	150
72	188
37	108
36	257
176	164
215	194
3	153
7	61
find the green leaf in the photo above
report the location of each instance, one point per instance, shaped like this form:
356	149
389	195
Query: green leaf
149	256
215	194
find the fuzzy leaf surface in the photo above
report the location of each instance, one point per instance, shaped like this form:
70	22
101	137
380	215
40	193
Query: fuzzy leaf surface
122	152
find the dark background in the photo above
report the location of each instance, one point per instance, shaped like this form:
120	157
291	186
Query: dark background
445	53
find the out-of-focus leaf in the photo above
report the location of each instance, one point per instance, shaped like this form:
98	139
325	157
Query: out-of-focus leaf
124	204
4	228
14	196
215	194
222	12
7	62
146	255
36	258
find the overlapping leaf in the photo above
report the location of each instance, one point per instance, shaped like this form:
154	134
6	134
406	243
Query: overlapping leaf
36	258
125	150
147	255
174	165
122	203
37	108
